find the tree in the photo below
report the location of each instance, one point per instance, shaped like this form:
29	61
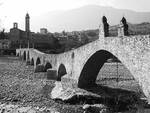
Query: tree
91	33
64	33
84	38
2	34
56	45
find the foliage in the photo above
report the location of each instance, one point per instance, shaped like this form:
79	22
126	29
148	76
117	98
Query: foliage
2	34
91	33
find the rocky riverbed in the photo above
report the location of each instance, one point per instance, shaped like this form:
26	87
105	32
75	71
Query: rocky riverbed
23	91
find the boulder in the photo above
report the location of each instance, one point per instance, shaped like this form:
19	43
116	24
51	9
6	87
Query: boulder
63	94
57	90
96	108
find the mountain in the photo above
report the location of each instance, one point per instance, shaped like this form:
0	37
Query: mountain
86	17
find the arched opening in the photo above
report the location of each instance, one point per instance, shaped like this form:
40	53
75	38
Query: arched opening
104	69
61	71
38	61
28	55
91	68
47	66
24	55
32	62
109	80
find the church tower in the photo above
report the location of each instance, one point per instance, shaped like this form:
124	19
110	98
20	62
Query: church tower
27	23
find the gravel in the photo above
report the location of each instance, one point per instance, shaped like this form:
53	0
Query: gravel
19	85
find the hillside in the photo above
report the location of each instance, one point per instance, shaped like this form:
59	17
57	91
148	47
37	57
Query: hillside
134	29
87	17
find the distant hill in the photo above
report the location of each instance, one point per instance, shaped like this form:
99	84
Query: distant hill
87	17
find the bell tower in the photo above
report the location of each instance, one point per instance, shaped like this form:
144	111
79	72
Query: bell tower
27	23
27	29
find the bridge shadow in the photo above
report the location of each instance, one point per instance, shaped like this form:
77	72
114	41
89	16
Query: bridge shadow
109	92
116	98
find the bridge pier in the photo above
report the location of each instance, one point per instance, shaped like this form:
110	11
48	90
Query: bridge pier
51	74
39	68
28	62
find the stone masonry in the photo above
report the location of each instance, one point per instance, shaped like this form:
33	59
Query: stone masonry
132	51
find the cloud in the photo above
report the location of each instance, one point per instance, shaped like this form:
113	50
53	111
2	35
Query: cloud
1	2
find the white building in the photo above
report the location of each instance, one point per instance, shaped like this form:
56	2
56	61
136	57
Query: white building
43	31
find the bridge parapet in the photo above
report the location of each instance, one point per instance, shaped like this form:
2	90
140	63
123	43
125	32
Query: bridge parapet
142	41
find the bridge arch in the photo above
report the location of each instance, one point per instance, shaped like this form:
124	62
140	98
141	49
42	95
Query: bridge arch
92	67
61	71
38	61
32	62
24	55
47	66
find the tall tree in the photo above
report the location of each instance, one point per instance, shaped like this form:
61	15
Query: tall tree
2	34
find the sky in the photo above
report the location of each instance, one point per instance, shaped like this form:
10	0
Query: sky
15	10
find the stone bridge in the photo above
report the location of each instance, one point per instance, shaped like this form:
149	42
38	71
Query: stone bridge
81	66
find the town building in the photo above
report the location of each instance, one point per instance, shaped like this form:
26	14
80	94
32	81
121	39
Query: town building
21	38
43	31
4	44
